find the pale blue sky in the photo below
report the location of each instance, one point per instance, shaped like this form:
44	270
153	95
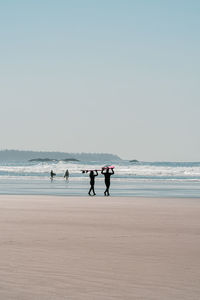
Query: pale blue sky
101	76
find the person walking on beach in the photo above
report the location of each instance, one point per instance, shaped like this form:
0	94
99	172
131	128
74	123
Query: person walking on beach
66	176
52	174
92	182
107	174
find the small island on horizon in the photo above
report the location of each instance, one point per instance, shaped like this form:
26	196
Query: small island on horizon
134	161
47	156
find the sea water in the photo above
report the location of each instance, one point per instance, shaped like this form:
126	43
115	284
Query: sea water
149	179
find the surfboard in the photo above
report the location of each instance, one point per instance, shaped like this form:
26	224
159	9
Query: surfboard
103	168
108	167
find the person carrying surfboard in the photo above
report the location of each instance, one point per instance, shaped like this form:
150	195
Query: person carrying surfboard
92	182
107	174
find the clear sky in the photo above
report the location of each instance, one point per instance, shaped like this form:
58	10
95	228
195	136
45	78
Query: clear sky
101	76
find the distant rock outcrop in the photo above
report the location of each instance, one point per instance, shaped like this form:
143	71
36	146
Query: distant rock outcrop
70	159
134	161
42	160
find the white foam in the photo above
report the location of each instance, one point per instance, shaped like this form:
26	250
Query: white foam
142	170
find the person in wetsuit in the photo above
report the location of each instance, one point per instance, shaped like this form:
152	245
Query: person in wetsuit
66	176
92	182
107	175
52	174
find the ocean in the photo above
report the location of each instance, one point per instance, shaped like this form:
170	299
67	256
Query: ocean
145	179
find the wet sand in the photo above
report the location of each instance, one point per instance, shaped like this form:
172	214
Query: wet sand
93	248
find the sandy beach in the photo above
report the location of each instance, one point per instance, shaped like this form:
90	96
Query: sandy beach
99	248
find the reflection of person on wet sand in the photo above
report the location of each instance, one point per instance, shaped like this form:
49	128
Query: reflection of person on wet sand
52	174
107	175
66	176
92	182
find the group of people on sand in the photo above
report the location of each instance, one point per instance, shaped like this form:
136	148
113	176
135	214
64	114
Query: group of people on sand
106	172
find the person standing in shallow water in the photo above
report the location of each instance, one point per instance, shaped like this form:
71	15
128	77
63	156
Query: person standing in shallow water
52	174
92	182
107	175
66	176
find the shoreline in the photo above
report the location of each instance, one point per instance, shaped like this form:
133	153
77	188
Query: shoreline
94	248
98	196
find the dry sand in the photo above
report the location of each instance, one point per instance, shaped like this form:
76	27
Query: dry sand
99	248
